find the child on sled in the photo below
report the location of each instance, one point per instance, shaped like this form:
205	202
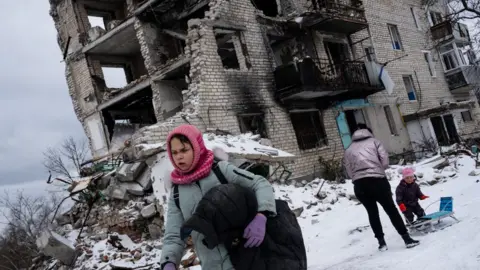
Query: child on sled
408	193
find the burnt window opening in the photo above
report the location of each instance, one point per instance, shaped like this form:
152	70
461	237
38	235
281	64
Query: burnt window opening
254	123
268	7
229	46
127	116
309	129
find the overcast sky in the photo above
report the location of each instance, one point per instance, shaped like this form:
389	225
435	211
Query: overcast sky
36	110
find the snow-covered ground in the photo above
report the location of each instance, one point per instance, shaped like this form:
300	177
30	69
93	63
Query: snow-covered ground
333	242
336	232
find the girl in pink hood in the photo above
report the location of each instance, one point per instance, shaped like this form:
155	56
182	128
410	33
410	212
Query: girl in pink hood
192	177
408	193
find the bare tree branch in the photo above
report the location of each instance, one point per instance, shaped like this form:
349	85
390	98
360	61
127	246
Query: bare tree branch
27	217
66	157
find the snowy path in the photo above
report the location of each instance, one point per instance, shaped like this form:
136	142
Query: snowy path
330	246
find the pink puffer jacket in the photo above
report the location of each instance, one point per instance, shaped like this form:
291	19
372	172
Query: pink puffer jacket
366	156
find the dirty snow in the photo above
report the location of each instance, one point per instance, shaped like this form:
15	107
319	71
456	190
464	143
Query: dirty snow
338	237
341	240
336	230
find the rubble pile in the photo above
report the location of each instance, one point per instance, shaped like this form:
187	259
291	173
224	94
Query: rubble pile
118	219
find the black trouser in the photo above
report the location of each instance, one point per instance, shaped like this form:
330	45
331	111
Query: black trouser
413	209
369	191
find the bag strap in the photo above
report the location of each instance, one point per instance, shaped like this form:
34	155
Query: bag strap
176	197
218	173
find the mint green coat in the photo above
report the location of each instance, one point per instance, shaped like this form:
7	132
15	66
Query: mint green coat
189	197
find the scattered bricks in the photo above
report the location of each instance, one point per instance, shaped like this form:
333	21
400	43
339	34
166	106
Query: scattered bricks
149	211
129	172
54	245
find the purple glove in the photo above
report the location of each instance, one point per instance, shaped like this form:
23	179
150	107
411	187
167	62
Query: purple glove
255	231
169	266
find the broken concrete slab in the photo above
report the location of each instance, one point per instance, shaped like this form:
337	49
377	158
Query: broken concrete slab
133	188
145	180
117	192
56	246
129	172
149	211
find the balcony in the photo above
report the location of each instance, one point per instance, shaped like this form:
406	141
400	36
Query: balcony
448	30
337	16
463	79
317	79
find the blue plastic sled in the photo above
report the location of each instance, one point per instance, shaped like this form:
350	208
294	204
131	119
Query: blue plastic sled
445	210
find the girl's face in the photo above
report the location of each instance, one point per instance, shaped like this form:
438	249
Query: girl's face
182	154
409	179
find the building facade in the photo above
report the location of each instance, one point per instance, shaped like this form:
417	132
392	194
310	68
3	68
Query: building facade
302	73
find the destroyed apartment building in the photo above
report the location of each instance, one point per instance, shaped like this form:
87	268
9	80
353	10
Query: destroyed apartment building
302	73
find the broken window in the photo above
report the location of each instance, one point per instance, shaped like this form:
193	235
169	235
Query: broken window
309	129
268	7
390	120
410	87
253	122
229	46
115	77
395	37
467	116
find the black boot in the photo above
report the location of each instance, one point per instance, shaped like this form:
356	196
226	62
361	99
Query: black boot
382	246
409	242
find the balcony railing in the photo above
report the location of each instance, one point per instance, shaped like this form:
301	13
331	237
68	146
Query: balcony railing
447	30
463	78
343	16
312	78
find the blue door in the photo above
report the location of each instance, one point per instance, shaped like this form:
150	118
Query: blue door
344	130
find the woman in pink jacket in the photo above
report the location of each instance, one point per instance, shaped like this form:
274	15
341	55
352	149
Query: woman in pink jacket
365	161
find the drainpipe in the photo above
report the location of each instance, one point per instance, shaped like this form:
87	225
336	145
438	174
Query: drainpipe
149	4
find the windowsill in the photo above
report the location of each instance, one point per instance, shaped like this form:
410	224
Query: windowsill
413	101
312	150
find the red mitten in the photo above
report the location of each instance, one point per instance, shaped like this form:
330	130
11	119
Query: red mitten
424	197
402	207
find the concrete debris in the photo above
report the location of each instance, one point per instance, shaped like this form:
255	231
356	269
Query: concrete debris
145	180
117	192
112	24
95	32
129	172
133	188
149	211
54	245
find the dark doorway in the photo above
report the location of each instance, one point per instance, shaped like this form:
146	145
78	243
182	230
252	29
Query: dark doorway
337	52
445	130
354	117
451	129
269	7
